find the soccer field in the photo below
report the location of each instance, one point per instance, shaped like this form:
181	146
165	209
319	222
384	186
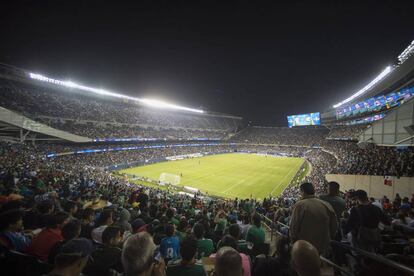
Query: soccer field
228	175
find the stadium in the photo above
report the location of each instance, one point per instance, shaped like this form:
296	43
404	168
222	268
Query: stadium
77	155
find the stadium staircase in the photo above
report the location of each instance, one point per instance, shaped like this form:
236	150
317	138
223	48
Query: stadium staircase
14	120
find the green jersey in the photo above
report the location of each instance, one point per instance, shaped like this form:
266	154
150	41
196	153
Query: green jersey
221	225
176	268
180	235
174	221
255	235
204	248
242	245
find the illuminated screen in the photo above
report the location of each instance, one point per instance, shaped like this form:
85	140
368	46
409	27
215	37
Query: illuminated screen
377	103
309	119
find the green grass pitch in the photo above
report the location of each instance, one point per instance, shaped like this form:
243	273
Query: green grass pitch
229	175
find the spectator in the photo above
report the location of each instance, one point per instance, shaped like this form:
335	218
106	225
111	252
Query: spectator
397	201
376	203
88	216
170	245
234	231
228	262
72	258
405	205
138	257
11	226
171	219
256	234
188	264
182	228
71	208
106	256
70	230
363	223
221	223
123	222
278	264
204	246
143	200
45	208
313	220
229	241
245	225
105	219
305	259
138	225
48	237
333	198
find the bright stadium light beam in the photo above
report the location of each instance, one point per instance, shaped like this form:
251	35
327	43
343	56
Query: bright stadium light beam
149	102
406	53
381	76
160	104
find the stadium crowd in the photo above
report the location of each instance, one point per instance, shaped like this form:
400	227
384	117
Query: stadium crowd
282	136
42	103
351	159
109	131
345	132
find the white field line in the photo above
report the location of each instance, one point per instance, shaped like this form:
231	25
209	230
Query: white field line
218	171
271	193
235	184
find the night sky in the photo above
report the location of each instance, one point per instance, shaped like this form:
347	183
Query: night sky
259	61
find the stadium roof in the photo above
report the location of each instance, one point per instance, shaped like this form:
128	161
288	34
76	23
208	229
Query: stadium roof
15	73
390	79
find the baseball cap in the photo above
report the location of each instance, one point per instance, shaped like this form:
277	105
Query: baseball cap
138	225
80	246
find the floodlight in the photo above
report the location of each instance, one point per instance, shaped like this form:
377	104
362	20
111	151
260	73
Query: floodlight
160	104
406	53
381	76
149	102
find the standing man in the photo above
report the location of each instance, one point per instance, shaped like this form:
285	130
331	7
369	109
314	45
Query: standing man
333	198
363	223
313	220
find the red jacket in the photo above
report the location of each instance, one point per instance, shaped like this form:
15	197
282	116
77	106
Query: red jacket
42	243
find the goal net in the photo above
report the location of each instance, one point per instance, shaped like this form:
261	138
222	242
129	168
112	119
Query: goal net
169	178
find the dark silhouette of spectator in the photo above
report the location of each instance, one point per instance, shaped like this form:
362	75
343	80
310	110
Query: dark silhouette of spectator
228	262
363	223
72	258
305	259
106	256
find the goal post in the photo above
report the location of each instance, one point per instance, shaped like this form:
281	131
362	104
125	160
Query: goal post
169	178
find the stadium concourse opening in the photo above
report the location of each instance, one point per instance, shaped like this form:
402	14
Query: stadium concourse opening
230	138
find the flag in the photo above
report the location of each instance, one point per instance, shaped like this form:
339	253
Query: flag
388	180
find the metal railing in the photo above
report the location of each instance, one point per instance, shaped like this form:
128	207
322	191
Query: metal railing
375	257
370	255
270	225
